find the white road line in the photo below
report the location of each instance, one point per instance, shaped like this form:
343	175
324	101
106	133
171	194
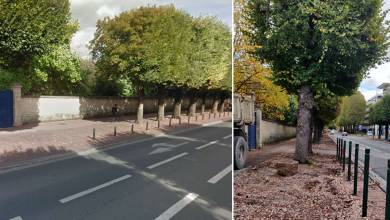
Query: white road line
91	190
212	123
226	137
206	145
173	210
220	175
166	161
16	218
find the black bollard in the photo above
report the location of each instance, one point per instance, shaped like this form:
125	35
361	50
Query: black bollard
158	124
355	176
114	130
93	133
132	128
387	210
343	152
366	176
170	122
349	160
147	125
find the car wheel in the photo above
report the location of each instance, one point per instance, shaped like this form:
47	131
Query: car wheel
240	152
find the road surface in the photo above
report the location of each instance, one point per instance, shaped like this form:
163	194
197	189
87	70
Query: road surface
379	153
186	175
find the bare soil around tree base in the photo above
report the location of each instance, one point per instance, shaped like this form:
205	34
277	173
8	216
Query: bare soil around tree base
319	190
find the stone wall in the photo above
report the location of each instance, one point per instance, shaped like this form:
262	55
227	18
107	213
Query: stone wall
52	108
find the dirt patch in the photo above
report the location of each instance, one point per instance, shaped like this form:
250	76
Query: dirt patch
318	191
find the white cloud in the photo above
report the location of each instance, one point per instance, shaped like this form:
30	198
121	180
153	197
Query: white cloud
80	41
105	11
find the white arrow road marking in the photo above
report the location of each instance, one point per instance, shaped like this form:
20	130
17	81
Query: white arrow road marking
206	145
165	147
166	161
220	175
91	190
16	218
173	210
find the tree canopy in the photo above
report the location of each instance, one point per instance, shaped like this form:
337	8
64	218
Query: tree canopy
161	45
318	45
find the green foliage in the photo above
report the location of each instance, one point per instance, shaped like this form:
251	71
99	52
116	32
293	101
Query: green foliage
29	28
319	43
327	106
380	112
57	72
163	46
353	110
290	113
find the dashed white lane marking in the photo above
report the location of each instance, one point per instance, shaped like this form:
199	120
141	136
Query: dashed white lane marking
16	218
166	161
206	145
173	210
220	175
226	137
91	190
212	123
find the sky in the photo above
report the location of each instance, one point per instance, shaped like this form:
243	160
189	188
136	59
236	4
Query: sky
87	12
378	75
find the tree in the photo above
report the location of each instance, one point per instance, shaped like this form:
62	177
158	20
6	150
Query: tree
353	111
252	76
318	44
161	47
380	114
30	29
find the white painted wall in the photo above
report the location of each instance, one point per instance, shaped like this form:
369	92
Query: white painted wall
52	108
272	131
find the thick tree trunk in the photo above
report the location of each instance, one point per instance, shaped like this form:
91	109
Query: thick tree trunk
192	107
305	106
222	106
215	106
387	131
177	108
310	141
379	131
161	104
140	111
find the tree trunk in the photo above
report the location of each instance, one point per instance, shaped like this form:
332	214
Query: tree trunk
215	106
305	106
192	106
203	107
379	131
140	111
222	106
387	131
310	140
177	108
161	103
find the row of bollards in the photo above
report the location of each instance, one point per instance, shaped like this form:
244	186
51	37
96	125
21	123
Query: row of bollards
158	124
341	146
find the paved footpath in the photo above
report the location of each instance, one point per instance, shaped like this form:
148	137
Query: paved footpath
54	139
182	175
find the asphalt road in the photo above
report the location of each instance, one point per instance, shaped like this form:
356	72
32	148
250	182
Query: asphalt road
182	176
379	153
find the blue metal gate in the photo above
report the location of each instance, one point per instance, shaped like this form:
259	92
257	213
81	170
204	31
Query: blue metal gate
6	109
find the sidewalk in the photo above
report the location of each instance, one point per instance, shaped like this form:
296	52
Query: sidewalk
53	139
318	191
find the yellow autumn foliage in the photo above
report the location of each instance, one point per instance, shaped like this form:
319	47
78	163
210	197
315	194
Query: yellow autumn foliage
251	76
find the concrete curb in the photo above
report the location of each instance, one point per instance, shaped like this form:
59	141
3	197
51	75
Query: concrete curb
57	158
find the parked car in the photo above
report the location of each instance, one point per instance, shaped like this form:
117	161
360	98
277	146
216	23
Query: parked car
369	133
344	134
